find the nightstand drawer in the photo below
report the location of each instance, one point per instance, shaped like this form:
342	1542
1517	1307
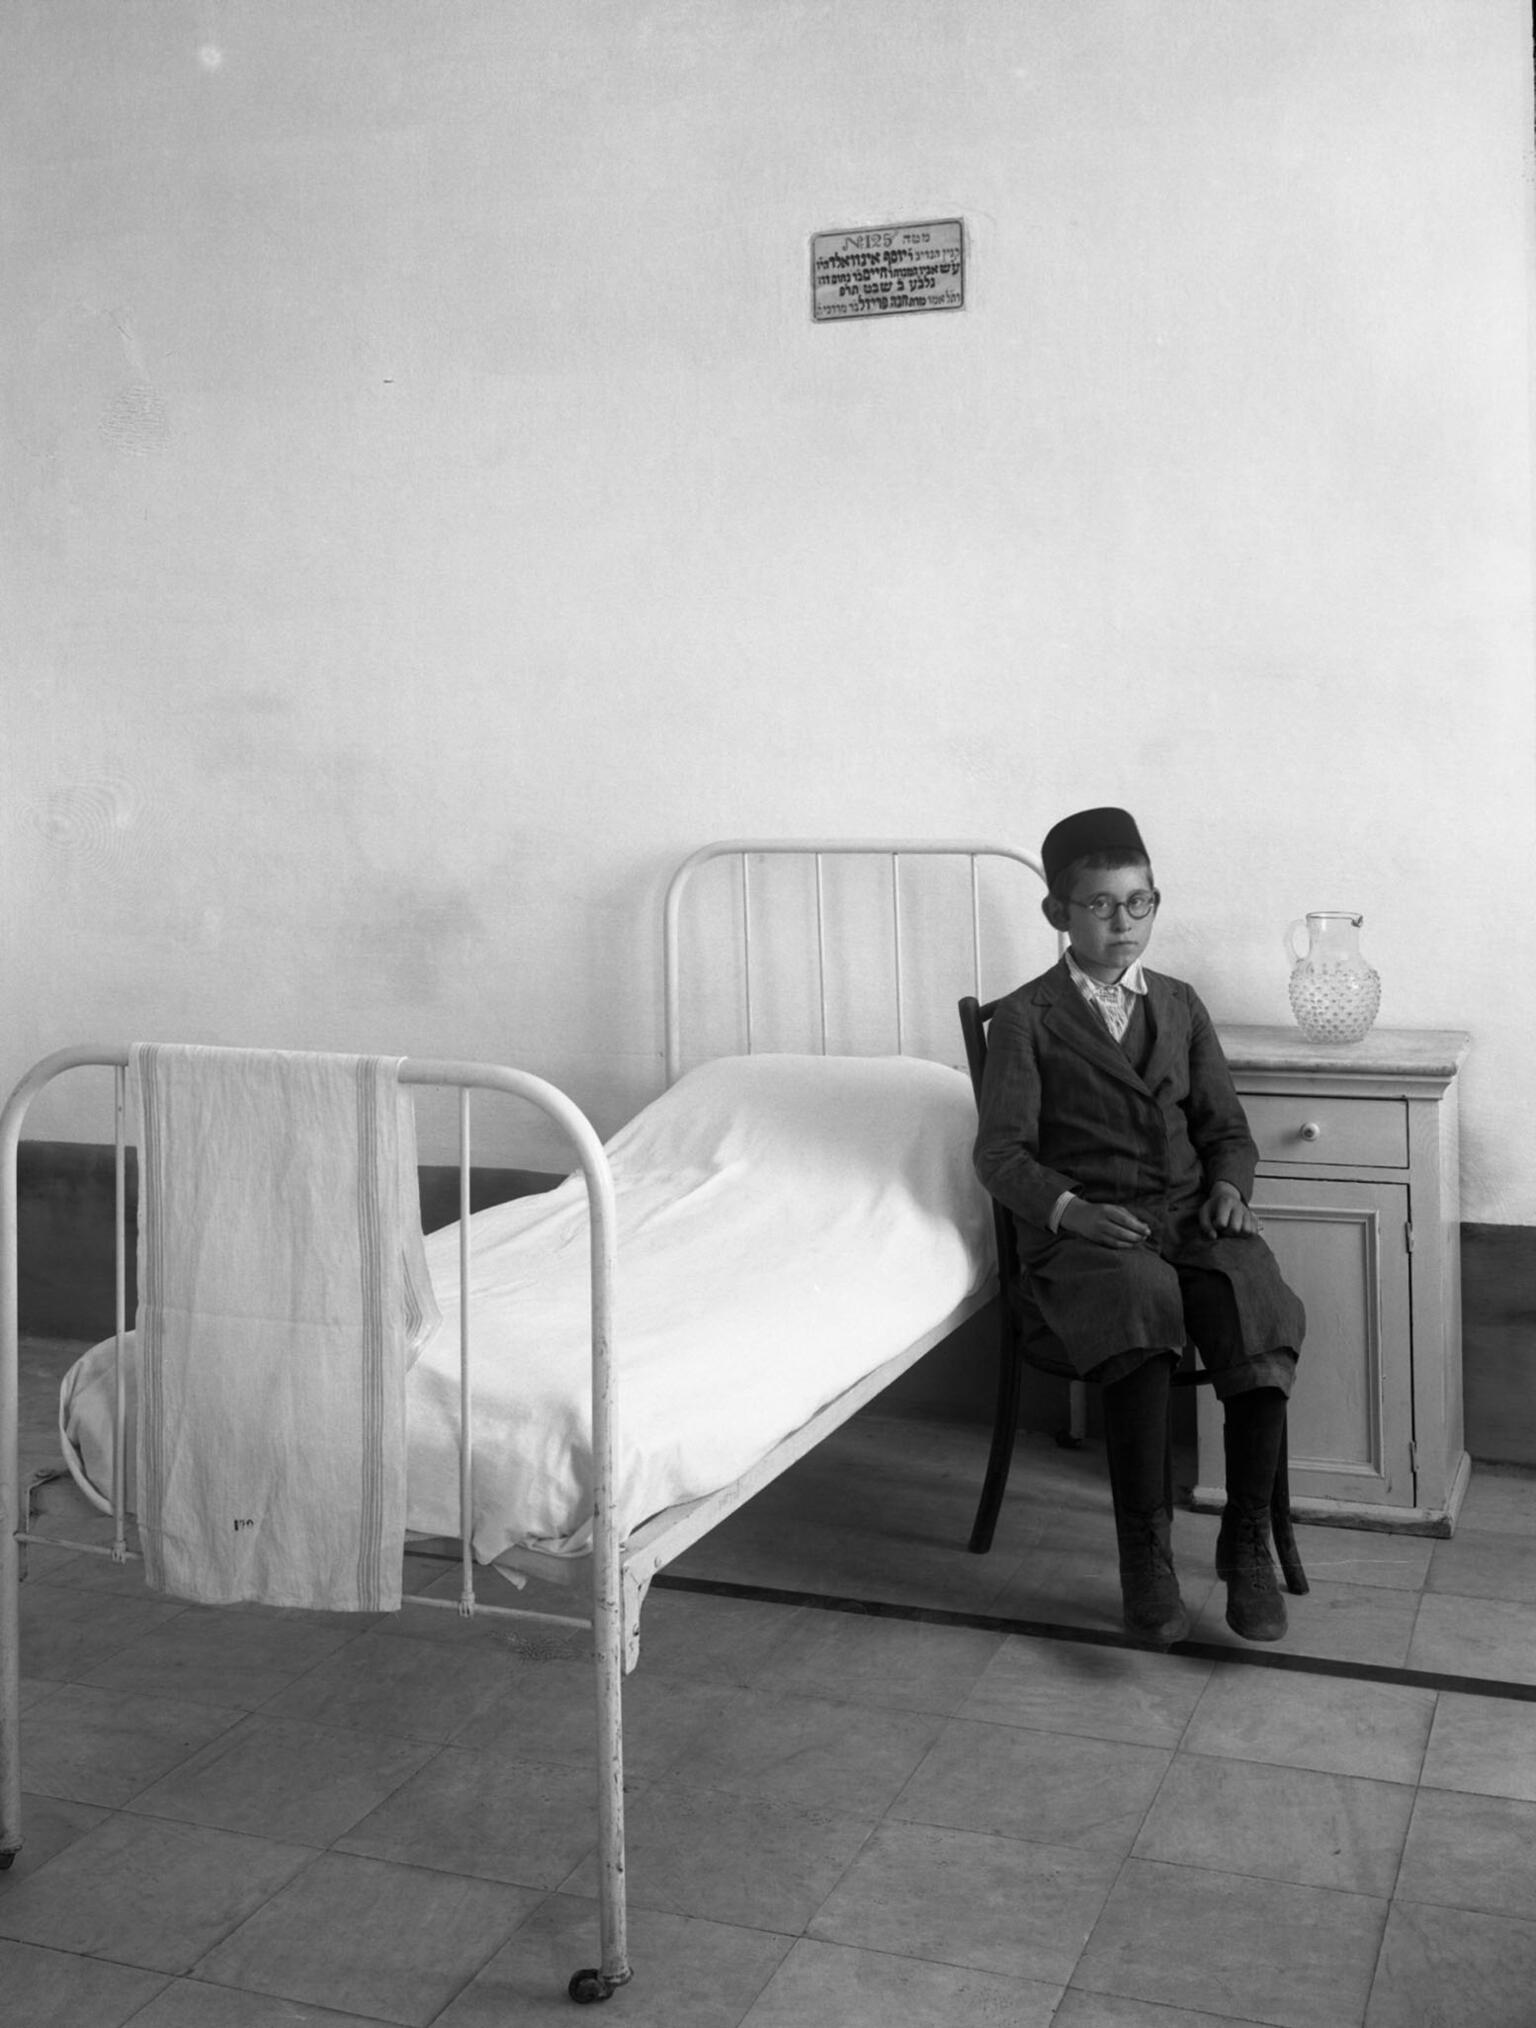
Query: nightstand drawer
1294	1128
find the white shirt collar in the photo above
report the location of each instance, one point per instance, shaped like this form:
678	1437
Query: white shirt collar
1132	980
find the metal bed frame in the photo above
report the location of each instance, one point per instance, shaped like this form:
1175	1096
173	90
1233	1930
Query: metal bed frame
620	1573
817	851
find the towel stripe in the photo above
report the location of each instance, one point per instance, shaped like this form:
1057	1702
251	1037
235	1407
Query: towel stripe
370	1219
151	1336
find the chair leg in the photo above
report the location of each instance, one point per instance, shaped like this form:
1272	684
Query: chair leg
1004	1428
1071	1438
1280	1525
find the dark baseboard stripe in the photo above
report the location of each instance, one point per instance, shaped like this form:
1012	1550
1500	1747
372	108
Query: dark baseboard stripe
1096	1637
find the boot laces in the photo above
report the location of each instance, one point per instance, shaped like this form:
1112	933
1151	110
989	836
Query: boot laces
1147	1551
1247	1552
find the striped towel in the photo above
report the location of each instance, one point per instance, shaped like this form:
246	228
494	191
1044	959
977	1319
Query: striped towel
282	1288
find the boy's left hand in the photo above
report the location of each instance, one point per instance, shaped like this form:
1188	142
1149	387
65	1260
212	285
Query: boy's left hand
1225	1212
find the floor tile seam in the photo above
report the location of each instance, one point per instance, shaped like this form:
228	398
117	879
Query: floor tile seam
1445	1788
133	1805
341	1848
1007	1837
785	1694
775	1687
1175	2008
124	1805
112	1812
1397	1875
120	1696
44	1580
196	1969
495	1952
928	1956
196	1975
888	1814
177	1696
319	2016
1381	1901
1292	1768
1110	1892
133	1808
584	1765
1429	1733
302	1676
768	1682
1098	1739
1216	1651
662	1786
1528	1599
1123	1864
1121	1738
1212	1676
42	1589
634	1783
121	1808
895	1957
1525	1923
185	1971
812	1915
101	1958
635	1900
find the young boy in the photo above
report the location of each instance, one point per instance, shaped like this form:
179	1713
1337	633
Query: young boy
1111	1129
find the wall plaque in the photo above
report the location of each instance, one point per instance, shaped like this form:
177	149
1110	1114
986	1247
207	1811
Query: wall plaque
878	270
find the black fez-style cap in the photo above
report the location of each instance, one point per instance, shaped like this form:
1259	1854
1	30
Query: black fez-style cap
1087	832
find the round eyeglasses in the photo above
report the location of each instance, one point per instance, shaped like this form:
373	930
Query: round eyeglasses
1138	906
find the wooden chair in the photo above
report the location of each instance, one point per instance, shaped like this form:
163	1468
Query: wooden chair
1024	1340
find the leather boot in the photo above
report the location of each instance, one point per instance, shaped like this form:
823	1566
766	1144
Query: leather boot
1251	1439
1136	1444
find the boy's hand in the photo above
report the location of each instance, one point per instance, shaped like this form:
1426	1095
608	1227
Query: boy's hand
1225	1211
1104	1224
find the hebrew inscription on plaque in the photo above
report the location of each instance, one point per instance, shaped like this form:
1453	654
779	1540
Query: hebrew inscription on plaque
880	270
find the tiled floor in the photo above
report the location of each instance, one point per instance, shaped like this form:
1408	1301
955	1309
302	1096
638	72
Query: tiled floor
239	1819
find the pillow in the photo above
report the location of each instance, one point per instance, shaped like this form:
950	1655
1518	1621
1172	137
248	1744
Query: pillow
862	1120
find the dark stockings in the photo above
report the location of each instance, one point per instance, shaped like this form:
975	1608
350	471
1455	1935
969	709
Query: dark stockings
1252	1432
1136	1440
1251	1438
1140	1479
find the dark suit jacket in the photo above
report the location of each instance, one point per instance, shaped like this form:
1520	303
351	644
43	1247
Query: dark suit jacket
1063	1109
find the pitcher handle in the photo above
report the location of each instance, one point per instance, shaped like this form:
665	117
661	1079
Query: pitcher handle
1290	941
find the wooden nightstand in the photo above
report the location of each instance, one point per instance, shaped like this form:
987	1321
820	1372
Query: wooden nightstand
1357	1189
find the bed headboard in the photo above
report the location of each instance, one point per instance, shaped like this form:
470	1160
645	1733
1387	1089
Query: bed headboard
833	940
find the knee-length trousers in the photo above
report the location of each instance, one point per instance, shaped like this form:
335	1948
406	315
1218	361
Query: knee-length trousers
1105	1310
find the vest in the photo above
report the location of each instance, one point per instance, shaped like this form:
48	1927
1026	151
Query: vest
1139	1036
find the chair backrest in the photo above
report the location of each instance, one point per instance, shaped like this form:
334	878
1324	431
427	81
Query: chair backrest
974	1016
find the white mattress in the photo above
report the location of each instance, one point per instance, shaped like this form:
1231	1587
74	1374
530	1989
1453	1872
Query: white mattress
786	1224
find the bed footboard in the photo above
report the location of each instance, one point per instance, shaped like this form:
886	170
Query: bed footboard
607	1588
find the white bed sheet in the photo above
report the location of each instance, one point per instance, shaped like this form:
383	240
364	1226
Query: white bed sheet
786	1224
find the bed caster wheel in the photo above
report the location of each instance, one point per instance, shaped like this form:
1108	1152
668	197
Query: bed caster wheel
6	1858
585	1987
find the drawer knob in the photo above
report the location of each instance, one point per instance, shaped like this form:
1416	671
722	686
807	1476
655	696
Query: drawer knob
1311	1131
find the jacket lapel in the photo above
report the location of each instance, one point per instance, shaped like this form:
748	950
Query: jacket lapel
1170	1037
1069	1016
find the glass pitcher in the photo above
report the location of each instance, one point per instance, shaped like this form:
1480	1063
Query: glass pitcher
1335	994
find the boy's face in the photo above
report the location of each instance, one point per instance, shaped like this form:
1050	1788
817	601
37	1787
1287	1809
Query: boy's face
1107	948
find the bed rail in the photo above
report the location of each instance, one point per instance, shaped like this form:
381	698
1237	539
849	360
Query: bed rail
606	1578
815	851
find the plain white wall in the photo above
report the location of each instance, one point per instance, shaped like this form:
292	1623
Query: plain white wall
428	507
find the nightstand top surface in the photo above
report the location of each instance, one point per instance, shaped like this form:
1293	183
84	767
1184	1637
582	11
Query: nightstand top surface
1385	1052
